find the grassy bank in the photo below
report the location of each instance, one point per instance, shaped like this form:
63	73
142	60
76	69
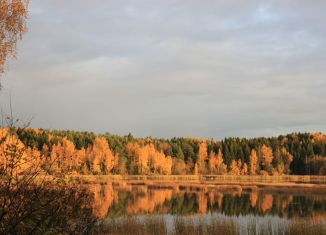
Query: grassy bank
307	179
316	184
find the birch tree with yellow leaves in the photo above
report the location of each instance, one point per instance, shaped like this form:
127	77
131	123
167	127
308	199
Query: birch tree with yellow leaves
13	15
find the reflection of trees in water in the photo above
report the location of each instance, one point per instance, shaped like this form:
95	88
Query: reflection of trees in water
253	198
202	201
215	198
103	199
148	201
306	206
267	203
143	200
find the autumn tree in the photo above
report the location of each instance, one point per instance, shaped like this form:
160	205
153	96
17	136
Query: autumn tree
283	161
56	158
121	165
212	161
266	158
156	159
178	167
216	163
234	168
245	169
27	160
101	156
239	162
80	161
253	162
196	169
139	158
147	159
63	156
69	154
202	158
13	14
167	166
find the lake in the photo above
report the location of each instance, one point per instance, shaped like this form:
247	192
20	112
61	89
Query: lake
245	206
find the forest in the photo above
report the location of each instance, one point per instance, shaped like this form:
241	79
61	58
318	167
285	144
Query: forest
88	153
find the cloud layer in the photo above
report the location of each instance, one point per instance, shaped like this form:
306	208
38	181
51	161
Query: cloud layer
173	68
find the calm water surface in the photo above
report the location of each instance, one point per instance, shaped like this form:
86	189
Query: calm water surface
115	202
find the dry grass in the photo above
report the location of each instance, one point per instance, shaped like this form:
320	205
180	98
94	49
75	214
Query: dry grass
160	225
134	226
222	183
307	228
210	179
192	227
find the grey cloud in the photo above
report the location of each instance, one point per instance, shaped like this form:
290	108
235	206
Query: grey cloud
173	68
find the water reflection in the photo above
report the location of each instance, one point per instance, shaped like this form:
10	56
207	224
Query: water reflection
114	201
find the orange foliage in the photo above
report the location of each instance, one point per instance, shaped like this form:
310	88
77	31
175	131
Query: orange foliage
167	167
178	167
244	170
3	133
196	172
239	162
216	163
267	158
147	159
202	157
319	137
13	14
30	158
286	160
253	162
55	157
80	159
101	156
62	155
68	152
146	156
234	168
139	159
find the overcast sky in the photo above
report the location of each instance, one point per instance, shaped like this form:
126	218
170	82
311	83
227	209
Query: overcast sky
172	68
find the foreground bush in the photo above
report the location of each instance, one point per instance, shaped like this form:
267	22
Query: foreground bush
31	202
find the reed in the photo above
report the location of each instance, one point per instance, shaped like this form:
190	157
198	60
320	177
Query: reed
165	225
307	227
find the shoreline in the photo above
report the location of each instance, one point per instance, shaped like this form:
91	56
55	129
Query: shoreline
273	184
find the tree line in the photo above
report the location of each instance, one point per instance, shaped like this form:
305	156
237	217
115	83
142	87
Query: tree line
90	153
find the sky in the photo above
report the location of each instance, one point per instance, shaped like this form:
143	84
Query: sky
168	68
